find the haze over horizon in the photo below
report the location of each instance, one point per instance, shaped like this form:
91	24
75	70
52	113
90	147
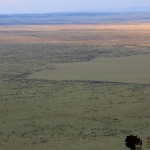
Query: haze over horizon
48	6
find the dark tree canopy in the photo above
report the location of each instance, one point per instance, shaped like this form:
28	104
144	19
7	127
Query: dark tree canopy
133	141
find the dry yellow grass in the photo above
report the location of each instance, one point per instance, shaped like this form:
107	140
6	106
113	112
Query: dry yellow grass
123	34
144	26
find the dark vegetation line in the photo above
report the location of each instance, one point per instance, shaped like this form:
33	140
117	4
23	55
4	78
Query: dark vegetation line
79	81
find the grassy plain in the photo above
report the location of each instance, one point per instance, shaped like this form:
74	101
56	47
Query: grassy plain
74	86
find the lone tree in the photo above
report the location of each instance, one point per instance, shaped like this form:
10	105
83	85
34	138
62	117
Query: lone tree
133	142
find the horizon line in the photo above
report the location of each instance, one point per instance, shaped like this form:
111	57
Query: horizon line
77	12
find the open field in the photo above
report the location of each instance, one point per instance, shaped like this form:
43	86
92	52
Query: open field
107	35
125	69
74	87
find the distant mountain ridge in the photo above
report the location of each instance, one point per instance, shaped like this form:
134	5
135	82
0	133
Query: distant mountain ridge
75	18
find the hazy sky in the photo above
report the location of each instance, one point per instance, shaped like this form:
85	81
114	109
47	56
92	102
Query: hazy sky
39	6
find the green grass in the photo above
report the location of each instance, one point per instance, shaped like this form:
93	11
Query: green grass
52	96
42	114
131	69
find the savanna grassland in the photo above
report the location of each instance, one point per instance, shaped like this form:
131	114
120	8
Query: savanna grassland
74	87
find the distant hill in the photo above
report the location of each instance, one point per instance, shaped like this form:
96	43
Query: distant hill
75	18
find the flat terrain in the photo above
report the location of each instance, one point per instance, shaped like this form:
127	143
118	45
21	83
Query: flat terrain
107	35
75	18
74	87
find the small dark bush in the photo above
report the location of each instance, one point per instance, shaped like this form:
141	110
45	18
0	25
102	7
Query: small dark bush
133	141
